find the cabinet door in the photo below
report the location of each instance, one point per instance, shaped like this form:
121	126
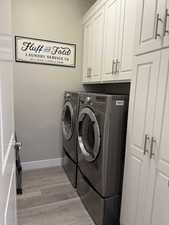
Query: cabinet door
160	148
85	53
143	108
88	52
150	23
135	184
98	23
126	50
161	201
166	26
111	37
164	143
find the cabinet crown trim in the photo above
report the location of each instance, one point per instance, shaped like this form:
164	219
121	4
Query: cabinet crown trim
93	9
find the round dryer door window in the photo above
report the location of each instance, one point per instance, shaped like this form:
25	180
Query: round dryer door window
88	134
68	120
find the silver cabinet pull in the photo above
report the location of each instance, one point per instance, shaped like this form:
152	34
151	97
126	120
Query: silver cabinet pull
89	72
113	63
147	138
165	22
152	153
117	65
157	24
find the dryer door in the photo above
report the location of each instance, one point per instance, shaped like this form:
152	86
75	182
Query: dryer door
88	134
68	120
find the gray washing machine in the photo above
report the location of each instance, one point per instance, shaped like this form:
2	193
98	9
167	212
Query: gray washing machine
69	130
101	125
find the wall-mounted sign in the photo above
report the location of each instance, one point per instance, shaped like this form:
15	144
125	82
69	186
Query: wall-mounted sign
30	50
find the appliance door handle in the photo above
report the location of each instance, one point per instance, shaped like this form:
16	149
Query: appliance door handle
82	148
147	138
165	22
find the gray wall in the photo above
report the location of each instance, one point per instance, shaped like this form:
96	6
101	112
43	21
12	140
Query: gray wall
38	89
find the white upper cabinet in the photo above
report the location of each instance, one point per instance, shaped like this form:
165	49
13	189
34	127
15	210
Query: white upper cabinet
152	25
92	50
126	50
87	52
98	22
109	44
111	39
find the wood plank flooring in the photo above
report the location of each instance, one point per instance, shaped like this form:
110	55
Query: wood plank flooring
49	199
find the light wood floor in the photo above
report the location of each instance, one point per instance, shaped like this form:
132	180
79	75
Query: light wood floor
49	199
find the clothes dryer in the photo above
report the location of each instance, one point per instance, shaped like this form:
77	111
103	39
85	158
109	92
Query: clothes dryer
101	151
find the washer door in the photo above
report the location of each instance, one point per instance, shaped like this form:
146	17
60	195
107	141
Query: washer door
88	134
68	120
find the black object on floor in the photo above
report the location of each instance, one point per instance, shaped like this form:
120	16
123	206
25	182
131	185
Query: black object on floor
18	146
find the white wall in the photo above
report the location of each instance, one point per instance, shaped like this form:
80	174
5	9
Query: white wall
38	89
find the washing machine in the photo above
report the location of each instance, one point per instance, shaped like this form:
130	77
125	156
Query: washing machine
69	130
101	127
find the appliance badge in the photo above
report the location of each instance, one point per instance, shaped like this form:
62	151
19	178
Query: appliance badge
120	103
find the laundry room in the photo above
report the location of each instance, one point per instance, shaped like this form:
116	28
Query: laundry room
84	103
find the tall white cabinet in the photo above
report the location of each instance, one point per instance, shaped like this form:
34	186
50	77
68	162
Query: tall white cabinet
146	182
160	213
140	177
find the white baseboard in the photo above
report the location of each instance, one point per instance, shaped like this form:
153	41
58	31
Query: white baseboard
41	164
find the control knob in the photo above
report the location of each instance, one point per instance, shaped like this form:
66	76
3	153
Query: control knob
68	95
88	100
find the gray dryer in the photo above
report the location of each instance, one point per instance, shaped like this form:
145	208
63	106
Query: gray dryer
102	124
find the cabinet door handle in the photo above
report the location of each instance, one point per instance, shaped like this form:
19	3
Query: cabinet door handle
147	138
152	153
117	66
165	22
89	71
113	63
157	24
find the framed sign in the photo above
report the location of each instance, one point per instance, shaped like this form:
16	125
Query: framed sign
38	51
